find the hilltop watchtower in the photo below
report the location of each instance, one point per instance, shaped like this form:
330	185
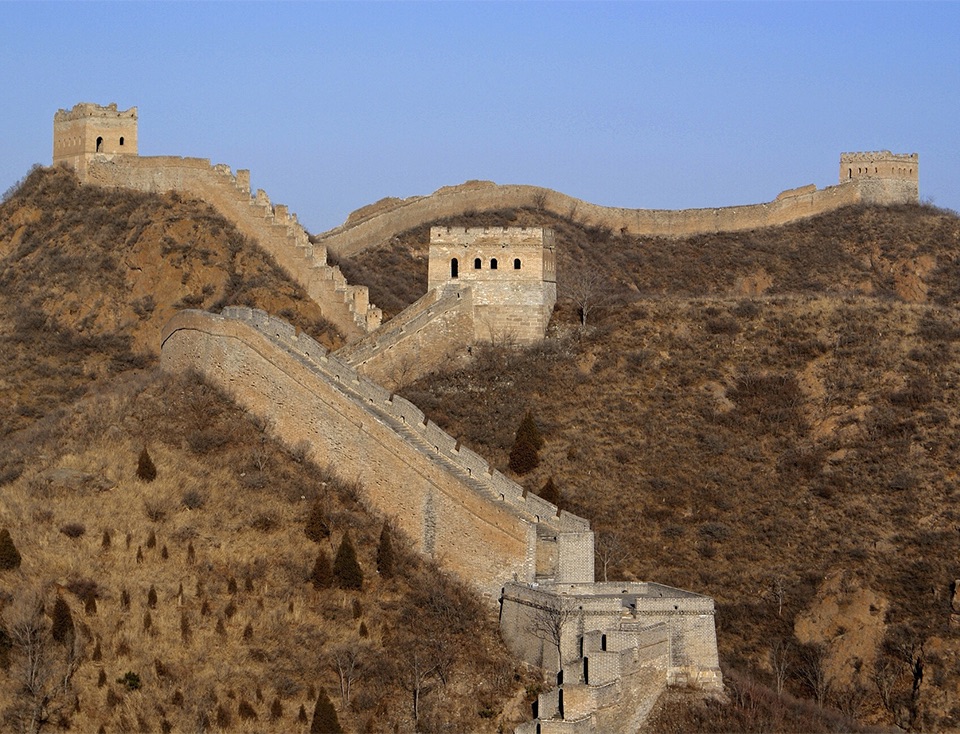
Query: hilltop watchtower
89	130
883	177
511	272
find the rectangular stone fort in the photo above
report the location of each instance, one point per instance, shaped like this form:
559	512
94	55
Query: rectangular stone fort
511	271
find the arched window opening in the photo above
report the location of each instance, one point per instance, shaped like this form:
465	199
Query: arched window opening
454	268
849	173
516	264
493	264
603	643
121	141
99	144
477	263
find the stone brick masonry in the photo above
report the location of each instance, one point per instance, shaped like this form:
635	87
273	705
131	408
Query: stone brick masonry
614	645
100	143
515	548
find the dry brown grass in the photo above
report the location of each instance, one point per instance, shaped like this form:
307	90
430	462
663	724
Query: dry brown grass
89	278
202	589
238	621
740	444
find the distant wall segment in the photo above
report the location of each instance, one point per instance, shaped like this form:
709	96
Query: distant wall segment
375	224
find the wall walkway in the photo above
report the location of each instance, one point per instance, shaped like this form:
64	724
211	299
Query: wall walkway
474	520
376	224
428	334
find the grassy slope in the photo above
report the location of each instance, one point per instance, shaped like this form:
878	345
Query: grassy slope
752	446
88	278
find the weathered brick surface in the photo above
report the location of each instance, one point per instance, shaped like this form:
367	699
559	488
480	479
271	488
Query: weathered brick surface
88	139
511	272
444	496
377	224
88	130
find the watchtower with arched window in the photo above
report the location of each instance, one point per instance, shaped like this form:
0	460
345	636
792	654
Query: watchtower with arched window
883	177
89	130
511	273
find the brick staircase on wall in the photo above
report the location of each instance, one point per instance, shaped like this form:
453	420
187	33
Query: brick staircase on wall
271	225
629	640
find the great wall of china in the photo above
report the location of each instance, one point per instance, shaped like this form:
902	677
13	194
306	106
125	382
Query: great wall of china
615	646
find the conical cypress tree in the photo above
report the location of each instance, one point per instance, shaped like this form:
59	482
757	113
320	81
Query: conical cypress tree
525	454
316	527
9	555
146	470
325	719
529	431
346	570
550	493
62	626
322	575
385	559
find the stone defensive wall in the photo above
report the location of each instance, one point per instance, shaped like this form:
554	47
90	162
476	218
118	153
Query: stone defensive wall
475	521
620	618
376	224
273	226
423	337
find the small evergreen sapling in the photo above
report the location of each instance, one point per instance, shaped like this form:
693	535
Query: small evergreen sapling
317	528
385	558
525	454
550	493
9	555
146	469
325	719
62	629
346	569
322	575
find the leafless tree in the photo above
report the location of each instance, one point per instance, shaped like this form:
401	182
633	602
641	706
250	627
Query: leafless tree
549	623
588	291
812	671
610	549
778	589
780	654
886	672
404	372
540	199
416	667
43	668
348	661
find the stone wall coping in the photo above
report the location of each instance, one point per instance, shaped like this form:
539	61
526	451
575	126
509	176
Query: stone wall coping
395	410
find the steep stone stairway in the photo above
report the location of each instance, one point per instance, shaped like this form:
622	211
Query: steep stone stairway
271	225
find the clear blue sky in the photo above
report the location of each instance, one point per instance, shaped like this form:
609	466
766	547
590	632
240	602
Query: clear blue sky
333	106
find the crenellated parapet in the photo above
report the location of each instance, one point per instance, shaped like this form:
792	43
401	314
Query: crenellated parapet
377	224
88	130
100	143
882	177
402	412
273	226
445	496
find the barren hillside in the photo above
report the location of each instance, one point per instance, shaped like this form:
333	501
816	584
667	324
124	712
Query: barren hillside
770	418
212	596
